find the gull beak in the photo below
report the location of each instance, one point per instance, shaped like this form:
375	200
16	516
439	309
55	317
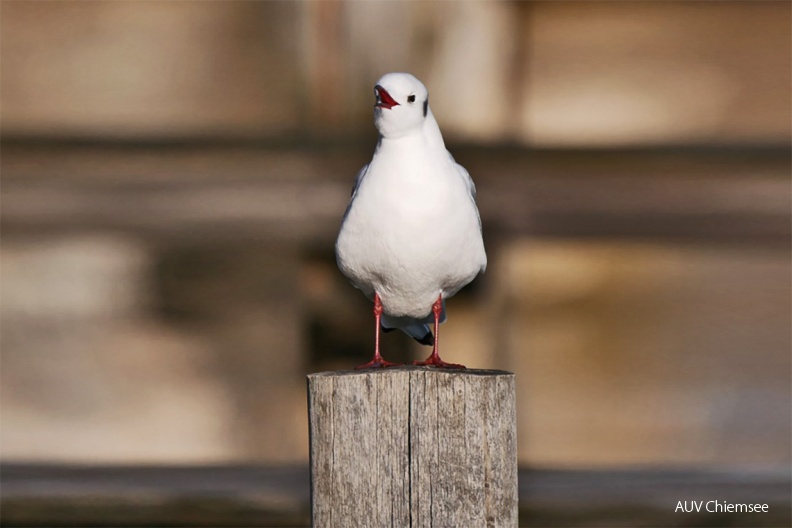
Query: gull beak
384	99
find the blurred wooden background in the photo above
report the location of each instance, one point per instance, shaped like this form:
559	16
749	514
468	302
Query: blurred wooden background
174	173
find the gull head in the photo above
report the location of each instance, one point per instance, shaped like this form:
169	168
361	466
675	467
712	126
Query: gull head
402	105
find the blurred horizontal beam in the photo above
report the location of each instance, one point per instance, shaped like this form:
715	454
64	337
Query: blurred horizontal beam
245	189
62	495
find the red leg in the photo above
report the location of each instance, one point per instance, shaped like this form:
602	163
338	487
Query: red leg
377	361
434	360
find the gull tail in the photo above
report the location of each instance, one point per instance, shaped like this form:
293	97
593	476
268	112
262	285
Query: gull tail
420	332
418	329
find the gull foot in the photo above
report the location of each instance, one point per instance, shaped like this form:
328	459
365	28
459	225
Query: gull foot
378	363
439	363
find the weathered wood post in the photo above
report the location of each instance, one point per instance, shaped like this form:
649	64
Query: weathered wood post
413	447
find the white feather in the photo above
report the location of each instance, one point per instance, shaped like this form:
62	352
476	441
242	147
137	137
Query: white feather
411	231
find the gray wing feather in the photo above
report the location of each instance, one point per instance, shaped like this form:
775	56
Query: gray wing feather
470	186
465	177
468	180
359	178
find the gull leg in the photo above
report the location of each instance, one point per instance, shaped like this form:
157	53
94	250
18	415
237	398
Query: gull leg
377	361
434	360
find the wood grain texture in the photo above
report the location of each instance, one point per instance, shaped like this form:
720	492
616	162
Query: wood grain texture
413	447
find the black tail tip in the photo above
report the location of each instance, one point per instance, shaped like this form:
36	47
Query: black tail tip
428	339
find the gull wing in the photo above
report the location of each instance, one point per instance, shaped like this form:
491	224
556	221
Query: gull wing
471	187
467	179
359	178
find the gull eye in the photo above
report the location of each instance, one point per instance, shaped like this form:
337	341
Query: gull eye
411	98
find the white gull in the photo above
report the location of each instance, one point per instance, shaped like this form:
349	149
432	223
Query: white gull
411	234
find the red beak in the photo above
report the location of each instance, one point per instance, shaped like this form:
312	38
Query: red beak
384	99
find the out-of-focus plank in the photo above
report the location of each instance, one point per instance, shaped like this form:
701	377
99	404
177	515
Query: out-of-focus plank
55	495
233	190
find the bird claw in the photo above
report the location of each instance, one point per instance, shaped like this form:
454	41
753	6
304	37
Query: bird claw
433	361
378	363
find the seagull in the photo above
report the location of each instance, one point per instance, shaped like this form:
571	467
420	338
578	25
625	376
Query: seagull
411	234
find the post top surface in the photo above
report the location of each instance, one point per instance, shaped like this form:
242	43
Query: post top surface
412	369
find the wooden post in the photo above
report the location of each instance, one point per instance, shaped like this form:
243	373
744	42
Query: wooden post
413	447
